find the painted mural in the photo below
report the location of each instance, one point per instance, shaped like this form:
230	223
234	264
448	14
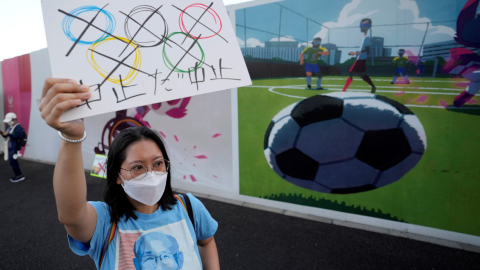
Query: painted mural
346	97
197	137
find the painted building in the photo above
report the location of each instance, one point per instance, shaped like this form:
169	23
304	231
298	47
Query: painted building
442	49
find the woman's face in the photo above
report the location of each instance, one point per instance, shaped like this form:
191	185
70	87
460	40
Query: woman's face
144	153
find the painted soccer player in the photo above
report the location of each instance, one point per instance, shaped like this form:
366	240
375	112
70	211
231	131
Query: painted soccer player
360	65
468	63
311	55
400	71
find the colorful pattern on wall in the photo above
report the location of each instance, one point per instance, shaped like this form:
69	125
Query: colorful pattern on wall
17	88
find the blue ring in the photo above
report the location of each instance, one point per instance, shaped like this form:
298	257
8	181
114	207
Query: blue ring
67	22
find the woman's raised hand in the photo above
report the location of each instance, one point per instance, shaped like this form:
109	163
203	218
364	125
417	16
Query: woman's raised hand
58	96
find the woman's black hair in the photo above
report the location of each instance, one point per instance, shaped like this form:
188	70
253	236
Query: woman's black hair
114	195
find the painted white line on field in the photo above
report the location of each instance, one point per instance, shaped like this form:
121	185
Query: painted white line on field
389	80
354	90
357	90
282	94
398	87
387	91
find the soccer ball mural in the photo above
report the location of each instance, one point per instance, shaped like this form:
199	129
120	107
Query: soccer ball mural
344	142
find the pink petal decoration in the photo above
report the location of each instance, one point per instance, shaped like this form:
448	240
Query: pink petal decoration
184	177
163	134
443	104
416	88
194	146
185	149
193	178
173	102
472	101
180	163
408	101
177	113
422	98
399	93
216	135
194	165
175	136
215	176
201	157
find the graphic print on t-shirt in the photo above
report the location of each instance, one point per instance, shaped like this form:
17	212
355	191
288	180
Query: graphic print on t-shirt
166	247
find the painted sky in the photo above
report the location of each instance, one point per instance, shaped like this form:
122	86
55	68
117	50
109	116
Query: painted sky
397	15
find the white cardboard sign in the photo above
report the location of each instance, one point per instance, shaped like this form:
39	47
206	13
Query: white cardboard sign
134	53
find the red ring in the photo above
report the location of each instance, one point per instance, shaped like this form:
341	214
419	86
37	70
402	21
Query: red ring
184	29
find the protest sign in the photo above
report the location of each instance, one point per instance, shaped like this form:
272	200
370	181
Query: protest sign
134	53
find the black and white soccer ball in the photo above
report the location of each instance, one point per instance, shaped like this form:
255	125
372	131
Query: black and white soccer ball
344	142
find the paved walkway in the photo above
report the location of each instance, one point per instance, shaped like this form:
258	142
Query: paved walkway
32	238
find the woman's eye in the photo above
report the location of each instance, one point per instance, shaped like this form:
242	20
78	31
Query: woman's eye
138	168
158	163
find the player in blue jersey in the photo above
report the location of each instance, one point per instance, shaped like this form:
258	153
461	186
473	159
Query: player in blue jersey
360	65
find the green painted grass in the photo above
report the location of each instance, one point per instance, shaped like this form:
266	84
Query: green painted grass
440	192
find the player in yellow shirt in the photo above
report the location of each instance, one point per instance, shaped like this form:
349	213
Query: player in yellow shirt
311	55
400	71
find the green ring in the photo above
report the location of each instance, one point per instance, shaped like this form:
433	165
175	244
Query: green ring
170	65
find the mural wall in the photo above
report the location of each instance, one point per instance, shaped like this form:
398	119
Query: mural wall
196	130
365	107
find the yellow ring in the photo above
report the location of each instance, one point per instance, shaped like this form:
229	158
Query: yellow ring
114	79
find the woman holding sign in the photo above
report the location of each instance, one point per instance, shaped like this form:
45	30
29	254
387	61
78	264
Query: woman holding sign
141	224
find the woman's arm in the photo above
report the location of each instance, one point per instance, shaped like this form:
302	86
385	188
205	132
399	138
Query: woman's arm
209	254
78	216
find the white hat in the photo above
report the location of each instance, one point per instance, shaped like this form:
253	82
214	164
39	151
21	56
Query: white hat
9	117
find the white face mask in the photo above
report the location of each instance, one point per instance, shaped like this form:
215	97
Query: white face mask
11	123
149	190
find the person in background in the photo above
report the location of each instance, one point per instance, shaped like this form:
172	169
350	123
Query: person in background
13	134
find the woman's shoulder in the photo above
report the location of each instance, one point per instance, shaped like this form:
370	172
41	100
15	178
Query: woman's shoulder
101	207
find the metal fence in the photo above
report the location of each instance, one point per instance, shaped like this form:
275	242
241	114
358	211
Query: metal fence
286	54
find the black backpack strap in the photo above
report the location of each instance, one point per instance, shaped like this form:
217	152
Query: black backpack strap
188	206
190	210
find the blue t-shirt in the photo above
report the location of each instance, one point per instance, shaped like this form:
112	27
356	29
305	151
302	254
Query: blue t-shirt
163	238
365	44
